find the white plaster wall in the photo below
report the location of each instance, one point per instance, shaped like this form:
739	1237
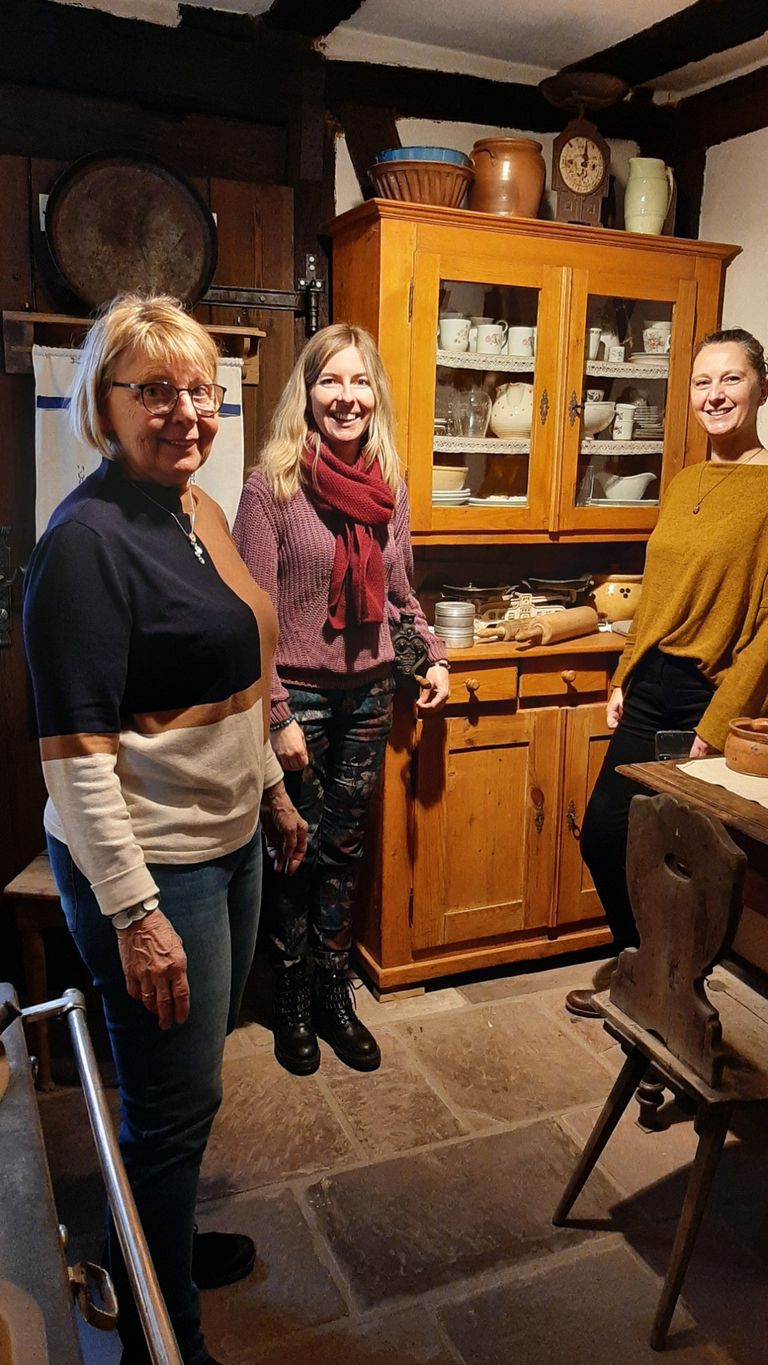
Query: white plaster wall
735	209
462	136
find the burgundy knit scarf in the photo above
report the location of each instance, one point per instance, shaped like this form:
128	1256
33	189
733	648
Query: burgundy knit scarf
356	501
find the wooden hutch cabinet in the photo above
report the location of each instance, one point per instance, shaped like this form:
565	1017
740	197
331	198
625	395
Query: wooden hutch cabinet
477	861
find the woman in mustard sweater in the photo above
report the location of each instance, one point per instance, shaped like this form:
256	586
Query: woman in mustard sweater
698	655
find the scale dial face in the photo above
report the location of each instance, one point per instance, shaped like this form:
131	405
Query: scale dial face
582	165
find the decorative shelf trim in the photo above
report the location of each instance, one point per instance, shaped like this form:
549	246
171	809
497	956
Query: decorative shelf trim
485	361
492	445
590	447
607	369
22	331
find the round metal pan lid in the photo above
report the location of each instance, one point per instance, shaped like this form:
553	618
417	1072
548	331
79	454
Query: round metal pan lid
117	222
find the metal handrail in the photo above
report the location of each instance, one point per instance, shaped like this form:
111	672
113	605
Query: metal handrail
159	1334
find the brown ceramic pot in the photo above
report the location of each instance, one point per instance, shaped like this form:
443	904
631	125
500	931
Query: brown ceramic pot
746	748
617	597
509	176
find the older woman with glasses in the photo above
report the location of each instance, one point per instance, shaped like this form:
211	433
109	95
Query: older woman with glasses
150	649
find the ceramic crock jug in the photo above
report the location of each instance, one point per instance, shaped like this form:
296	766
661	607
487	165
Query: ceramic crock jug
509	176
512	411
617	597
648	194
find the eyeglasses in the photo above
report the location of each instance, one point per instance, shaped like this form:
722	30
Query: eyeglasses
161	398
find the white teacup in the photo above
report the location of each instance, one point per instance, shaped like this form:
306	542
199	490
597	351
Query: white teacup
476	322
657	338
624	422
520	341
491	337
454	334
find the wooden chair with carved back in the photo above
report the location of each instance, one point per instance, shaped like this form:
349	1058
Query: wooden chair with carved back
685	879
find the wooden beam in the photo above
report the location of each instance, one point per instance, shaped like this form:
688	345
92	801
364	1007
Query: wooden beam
725	111
367	131
65	47
313	18
415	93
699	30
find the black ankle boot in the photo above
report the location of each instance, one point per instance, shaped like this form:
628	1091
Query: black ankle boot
337	1023
295	1041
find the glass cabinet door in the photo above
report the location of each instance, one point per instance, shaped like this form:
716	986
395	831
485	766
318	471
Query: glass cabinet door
481	412
622	421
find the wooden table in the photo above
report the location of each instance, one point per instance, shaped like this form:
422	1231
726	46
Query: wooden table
746	822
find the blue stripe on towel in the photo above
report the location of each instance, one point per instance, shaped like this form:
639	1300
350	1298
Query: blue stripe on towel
45	402
230	410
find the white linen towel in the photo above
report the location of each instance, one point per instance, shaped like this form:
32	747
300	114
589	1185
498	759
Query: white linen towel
61	462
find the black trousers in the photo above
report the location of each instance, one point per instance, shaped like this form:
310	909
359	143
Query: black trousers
663	693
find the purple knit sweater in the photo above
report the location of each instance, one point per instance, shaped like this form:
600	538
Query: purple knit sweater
289	550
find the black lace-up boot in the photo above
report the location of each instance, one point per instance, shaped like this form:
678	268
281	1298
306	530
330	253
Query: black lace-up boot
295	1040
337	1023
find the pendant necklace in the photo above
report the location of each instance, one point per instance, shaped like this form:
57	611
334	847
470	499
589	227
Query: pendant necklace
188	535
701	496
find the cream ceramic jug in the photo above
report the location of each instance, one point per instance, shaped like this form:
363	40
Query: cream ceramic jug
512	411
648	194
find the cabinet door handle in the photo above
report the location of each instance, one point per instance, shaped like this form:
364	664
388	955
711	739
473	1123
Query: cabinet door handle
544	407
574	827
537	797
472	685
574	408
568	675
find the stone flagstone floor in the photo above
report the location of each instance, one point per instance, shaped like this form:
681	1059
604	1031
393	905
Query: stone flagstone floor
404	1217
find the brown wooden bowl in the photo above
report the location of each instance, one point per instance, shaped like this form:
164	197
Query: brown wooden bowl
746	748
422	182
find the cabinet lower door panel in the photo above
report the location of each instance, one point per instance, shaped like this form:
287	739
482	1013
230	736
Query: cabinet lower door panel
484	826
586	741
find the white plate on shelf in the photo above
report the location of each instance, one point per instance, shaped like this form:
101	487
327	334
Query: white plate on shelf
649	358
622	502
500	500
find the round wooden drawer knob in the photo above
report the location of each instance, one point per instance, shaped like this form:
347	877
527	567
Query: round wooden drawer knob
568	675
472	685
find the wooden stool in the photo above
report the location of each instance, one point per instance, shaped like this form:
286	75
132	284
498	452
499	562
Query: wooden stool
36	907
685	878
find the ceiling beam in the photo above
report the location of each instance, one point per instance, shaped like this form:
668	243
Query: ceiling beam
725	111
698	31
415	93
311	18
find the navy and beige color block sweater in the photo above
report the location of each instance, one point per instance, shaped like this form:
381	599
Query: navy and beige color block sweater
151	674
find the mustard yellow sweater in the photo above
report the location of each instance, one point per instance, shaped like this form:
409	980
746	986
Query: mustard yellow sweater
705	589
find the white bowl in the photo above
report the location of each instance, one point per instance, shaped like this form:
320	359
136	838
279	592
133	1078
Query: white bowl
626	487
448	477
596	417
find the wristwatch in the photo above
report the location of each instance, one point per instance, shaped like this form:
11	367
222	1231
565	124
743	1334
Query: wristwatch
125	918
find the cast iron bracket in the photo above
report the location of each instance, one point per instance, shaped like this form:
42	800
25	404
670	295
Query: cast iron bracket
303	301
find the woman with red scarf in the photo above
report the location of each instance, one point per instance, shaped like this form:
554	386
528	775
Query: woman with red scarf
323	526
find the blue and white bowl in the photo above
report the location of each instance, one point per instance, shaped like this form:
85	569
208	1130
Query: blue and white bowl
423	154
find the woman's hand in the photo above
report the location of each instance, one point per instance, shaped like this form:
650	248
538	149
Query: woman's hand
285	830
433	697
700	749
615	708
290	747
155	967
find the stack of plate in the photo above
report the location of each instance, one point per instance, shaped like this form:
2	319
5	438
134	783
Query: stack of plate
450	497
455	623
649	358
649	423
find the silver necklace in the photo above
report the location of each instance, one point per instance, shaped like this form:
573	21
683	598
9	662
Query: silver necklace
701	496
188	535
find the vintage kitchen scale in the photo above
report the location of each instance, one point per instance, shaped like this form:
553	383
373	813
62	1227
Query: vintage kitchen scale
505	601
581	157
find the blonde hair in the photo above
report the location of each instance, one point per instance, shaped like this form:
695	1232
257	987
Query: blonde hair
154	325
293	426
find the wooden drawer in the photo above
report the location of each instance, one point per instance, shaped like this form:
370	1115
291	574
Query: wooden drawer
562	678
483	681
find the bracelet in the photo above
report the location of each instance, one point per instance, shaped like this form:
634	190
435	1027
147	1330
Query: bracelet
125	918
281	724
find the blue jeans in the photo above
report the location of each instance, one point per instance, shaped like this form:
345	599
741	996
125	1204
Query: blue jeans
170	1081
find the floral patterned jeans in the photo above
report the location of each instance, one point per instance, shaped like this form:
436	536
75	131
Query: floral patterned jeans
346	733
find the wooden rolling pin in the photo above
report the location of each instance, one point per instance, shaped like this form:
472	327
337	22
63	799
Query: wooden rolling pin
557	625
